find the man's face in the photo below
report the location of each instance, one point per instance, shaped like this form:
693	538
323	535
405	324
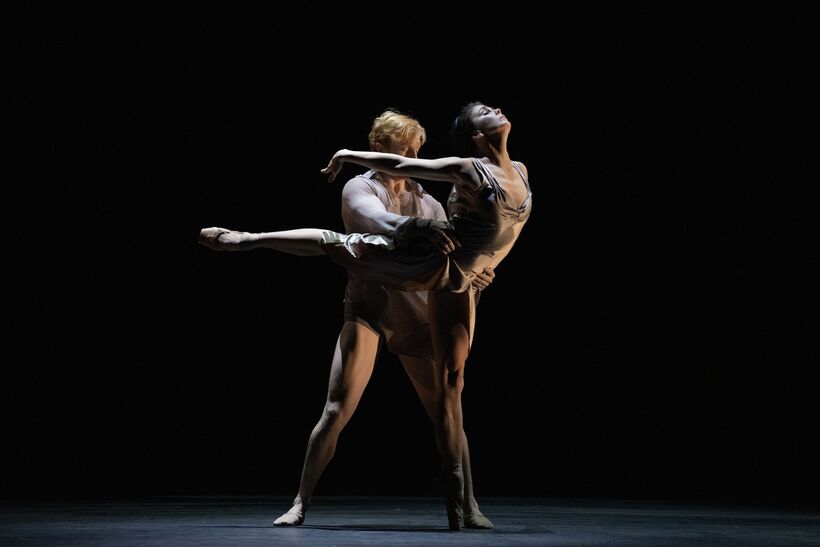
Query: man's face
408	149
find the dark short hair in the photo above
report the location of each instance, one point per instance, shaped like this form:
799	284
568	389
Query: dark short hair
462	131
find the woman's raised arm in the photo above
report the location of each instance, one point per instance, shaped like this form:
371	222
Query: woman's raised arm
451	169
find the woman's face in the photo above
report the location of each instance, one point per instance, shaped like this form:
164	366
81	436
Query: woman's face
488	120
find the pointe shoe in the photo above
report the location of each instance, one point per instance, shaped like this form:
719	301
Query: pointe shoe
209	237
454	496
477	521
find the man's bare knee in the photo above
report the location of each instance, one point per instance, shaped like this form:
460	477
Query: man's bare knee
336	414
455	381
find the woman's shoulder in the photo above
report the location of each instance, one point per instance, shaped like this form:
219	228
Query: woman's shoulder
482	165
482	172
522	167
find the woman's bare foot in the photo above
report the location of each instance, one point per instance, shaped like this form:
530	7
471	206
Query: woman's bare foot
294	517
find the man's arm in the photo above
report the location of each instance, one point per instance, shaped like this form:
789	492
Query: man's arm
363	211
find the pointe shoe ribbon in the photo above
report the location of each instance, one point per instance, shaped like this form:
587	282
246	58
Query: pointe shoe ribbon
454	495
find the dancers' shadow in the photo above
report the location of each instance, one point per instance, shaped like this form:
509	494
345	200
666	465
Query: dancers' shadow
378	528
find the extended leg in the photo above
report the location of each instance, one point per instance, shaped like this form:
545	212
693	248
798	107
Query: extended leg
303	242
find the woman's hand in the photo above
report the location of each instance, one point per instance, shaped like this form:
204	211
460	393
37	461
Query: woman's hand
335	165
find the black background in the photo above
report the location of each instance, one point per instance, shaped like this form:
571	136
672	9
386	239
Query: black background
652	334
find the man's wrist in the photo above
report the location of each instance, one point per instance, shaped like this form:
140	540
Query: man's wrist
404	232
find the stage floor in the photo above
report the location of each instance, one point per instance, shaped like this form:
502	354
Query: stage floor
392	521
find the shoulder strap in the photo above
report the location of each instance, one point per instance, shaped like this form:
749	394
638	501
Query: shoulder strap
520	172
485	173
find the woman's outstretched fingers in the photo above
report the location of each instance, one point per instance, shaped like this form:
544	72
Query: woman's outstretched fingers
331	170
333	166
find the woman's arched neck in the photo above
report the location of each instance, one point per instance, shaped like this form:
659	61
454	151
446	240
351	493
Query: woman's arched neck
496	151
500	157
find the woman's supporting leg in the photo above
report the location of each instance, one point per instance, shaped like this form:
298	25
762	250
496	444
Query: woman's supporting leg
422	373
450	320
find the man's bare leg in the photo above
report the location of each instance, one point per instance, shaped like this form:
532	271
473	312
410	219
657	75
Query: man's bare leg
353	361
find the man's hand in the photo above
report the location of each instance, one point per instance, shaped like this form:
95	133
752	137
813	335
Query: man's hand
437	233
483	280
440	234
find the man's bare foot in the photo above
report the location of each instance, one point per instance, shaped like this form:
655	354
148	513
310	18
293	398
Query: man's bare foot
473	518
294	517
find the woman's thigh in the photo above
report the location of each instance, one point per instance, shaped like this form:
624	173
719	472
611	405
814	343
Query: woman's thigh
451	319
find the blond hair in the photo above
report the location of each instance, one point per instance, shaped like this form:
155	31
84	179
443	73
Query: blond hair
392	125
